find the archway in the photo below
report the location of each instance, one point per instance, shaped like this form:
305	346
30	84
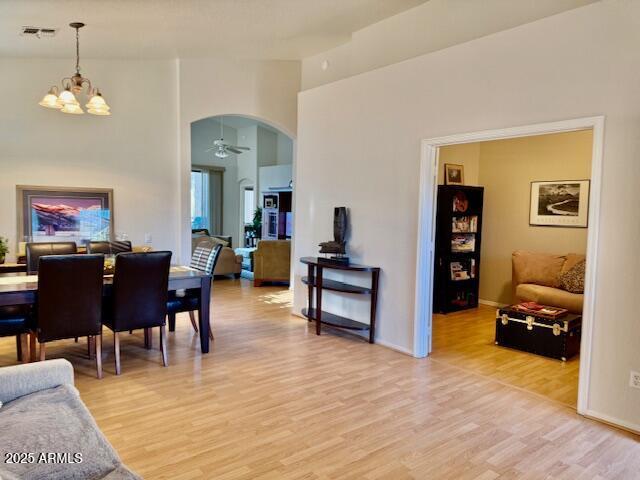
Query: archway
264	162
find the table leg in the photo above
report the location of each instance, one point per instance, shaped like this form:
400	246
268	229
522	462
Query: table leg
98	340
374	302
203	313
318	299
310	274
32	346
24	347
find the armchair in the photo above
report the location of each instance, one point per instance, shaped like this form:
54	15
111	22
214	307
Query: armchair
271	262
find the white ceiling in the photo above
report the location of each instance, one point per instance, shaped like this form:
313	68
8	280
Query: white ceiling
239	121
260	29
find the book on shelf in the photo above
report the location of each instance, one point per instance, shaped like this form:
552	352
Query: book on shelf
546	311
466	224
463	243
463	270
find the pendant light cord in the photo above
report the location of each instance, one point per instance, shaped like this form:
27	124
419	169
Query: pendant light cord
77	50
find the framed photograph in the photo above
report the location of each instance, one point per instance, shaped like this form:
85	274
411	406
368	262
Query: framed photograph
562	203
58	214
453	174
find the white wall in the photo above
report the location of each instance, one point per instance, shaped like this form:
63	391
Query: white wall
267	147
429	27
576	64
275	176
465	154
134	151
266	90
285	149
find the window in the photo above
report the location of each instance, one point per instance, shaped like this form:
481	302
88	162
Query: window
249	205
200	216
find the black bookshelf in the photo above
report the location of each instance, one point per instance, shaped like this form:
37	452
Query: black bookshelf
457	248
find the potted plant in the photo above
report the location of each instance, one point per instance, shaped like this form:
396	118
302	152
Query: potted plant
257	222
4	248
253	230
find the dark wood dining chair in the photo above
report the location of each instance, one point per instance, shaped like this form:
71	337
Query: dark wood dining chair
15	320
35	250
139	298
69	303
109	248
204	258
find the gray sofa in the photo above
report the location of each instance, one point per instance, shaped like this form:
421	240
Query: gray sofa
42	413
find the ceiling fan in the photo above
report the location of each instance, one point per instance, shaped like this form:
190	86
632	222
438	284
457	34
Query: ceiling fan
221	149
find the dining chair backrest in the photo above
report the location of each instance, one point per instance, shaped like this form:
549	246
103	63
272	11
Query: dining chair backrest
140	290
205	257
35	250
109	248
69	296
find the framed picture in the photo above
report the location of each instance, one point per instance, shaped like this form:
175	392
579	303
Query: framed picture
453	174
460	202
562	203
57	214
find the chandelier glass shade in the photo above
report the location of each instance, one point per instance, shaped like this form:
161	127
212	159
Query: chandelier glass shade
66	100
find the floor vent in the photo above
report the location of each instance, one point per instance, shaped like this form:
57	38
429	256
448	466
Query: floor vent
38	32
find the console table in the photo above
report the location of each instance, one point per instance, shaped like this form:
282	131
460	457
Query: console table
315	279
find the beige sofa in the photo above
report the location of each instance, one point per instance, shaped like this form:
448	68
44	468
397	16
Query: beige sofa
536	279
42	412
229	263
271	261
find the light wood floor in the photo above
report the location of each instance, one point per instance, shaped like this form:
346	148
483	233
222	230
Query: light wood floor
466	339
273	401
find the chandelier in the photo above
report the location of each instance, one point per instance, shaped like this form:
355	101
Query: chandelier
66	101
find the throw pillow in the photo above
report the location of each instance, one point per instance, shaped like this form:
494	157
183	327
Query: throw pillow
573	279
219	241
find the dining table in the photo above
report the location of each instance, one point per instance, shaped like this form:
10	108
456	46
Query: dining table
22	289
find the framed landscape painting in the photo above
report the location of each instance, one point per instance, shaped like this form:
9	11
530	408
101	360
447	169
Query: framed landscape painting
563	203
58	214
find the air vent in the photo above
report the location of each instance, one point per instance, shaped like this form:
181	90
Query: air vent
38	32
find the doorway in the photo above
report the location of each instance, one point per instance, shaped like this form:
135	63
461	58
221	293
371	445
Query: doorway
423	332
257	161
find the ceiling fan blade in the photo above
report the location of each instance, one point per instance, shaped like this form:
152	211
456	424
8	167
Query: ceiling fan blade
210	149
233	149
241	148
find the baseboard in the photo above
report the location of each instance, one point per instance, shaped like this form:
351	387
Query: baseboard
382	343
392	346
614	422
491	303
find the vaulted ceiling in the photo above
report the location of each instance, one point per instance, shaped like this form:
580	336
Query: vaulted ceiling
262	29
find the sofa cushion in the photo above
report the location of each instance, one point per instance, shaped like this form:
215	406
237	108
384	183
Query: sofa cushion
537	268
55	420
554	297
573	279
572	260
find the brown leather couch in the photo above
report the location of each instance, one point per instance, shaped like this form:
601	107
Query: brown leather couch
271	261
536	279
228	262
